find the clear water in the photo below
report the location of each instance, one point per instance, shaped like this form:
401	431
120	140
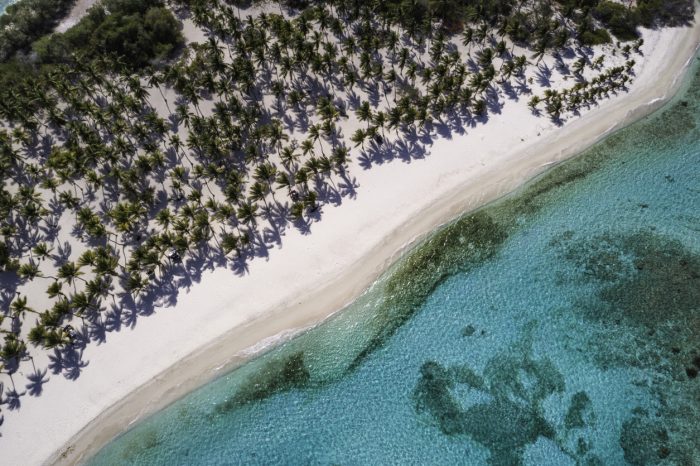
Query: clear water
557	326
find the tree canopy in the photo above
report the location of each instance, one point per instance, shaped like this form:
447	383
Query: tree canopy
138	32
26	21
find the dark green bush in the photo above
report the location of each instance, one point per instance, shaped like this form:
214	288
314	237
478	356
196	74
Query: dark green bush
595	37
140	32
619	19
26	21
665	12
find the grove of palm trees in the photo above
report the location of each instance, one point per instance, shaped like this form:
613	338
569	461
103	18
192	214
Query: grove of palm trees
134	158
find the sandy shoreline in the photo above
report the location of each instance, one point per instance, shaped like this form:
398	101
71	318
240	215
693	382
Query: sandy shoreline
200	338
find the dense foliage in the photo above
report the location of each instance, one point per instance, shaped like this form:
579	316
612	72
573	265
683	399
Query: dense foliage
140	32
525	22
26	21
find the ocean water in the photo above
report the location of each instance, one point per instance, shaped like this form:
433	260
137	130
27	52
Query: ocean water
557	326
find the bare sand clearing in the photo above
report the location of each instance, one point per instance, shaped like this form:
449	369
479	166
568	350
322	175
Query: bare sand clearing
79	9
213	327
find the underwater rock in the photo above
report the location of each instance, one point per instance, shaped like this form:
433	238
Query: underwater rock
432	395
468	331
643	440
516	385
651	280
457	247
580	406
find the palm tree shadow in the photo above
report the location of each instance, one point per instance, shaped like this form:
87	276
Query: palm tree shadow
13	399
239	265
129	312
543	75
348	187
328	195
522	86
63	252
407	151
443	130
36	382
9	282
67	361
271	236
97	330
113	319
493	102
509	91
557	120
303	226
353	100
364	160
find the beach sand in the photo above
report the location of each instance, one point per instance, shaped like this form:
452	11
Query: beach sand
79	9
214	325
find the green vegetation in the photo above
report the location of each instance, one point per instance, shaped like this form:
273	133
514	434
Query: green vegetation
541	24
155	170
139	33
620	19
26	21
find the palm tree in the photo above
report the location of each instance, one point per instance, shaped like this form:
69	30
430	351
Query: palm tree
29	271
380	121
340	158
13	349
467	37
230	243
19	307
359	137
69	272
247	212
364	112
135	284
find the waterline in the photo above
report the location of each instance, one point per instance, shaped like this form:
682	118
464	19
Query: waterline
519	308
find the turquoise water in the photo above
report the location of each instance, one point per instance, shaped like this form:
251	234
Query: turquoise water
560	325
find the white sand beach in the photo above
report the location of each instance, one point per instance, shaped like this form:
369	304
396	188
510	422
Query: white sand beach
215	323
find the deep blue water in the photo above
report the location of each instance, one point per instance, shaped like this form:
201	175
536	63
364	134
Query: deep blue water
560	325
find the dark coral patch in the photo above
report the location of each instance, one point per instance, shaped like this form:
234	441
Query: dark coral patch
643	440
278	375
515	386
580	407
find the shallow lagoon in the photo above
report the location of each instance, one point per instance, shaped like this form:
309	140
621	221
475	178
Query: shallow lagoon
558	326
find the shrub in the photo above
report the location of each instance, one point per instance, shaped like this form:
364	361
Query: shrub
595	37
619	19
665	12
27	20
140	32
